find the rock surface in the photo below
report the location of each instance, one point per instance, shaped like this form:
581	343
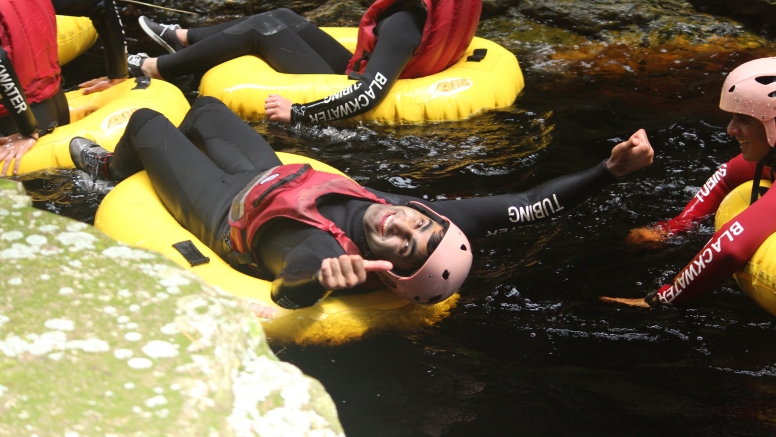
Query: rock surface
581	17
99	339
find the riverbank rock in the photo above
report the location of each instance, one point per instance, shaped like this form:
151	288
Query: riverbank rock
759	15
635	46
100	339
588	18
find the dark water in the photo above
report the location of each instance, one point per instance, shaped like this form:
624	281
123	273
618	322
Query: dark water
531	350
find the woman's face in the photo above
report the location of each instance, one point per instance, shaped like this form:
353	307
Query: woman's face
751	136
399	234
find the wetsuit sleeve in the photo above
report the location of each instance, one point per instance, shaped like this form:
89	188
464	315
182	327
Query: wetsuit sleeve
728	251
485	216
14	99
707	200
106	20
400	35
296	285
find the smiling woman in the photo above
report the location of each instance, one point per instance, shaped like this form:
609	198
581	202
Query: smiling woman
750	133
749	92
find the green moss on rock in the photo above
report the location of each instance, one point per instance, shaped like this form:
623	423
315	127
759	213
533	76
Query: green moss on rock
100	339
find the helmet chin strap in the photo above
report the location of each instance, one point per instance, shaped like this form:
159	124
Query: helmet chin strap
758	172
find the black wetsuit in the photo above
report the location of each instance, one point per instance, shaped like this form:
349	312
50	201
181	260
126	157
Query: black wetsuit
198	188
291	44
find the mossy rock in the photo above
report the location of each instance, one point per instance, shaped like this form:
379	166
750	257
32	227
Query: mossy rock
100	339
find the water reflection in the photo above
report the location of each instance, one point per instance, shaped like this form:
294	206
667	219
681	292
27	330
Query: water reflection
427	160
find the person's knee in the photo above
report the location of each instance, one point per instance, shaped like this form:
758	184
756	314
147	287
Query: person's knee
285	13
140	118
142	115
203	105
206	101
289	18
265	23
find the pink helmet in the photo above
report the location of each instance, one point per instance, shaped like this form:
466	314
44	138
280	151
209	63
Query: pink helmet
443	272
750	90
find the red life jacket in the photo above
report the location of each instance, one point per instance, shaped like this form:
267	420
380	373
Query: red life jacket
290	191
28	32
449	28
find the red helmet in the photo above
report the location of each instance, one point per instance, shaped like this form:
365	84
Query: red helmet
750	90
443	272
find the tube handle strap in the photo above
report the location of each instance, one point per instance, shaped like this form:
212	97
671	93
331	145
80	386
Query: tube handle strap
191	253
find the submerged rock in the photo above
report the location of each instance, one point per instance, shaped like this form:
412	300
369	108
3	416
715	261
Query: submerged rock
100	339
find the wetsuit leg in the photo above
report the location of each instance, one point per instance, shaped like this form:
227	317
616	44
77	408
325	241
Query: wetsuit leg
232	144
276	36
332	52
197	34
196	191
106	20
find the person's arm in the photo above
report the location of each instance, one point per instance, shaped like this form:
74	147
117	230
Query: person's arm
492	215
14	99
728	251
15	102
704	203
400	35
312	269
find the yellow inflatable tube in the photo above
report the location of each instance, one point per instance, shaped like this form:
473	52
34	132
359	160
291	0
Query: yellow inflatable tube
758	277
462	90
75	35
133	214
102	118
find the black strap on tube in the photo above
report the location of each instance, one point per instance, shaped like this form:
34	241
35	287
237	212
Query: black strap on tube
477	56
191	253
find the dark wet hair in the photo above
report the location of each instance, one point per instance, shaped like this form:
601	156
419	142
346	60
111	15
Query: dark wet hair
434	240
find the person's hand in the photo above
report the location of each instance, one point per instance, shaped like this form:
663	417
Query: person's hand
641	303
99	84
347	271
648	236
14	147
631	155
278	108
